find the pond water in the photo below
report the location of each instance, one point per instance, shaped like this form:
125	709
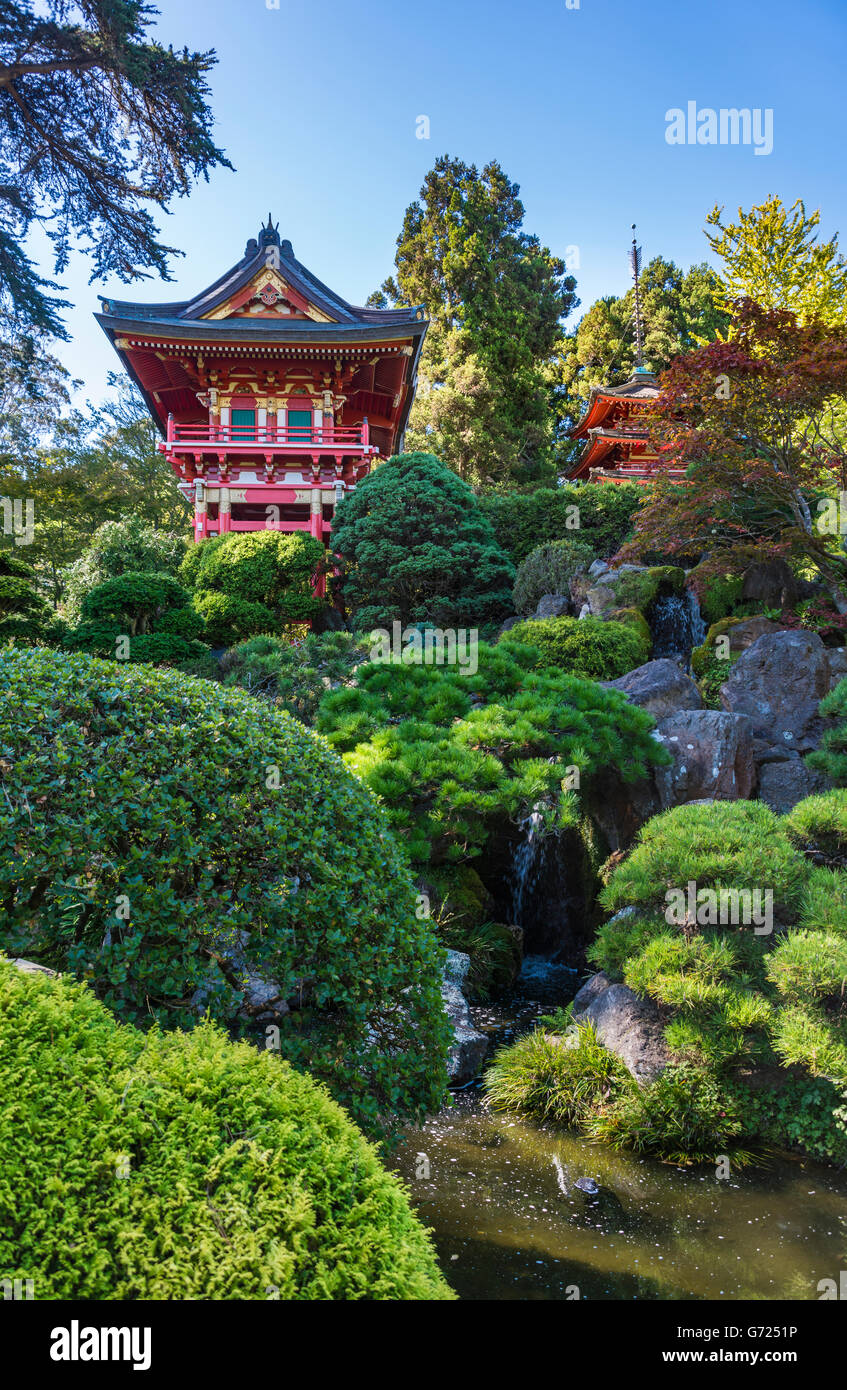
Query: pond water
510	1222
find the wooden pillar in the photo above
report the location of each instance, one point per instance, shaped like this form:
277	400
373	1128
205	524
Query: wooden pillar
224	512
201	520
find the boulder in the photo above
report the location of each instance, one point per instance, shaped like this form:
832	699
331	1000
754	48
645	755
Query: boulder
553	606
660	687
837	658
747	631
628	1025
779	682
510	623
468	1049
598	601
29	967
771	583
598	568
783	784
713	757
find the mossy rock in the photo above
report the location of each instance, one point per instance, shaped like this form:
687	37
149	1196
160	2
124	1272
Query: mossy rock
457	892
640	588
182	1166
634	618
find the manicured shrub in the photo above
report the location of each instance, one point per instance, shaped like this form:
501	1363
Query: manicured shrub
229	620
273	569
456	755
831	757
294	672
414	546
585	647
808	966
129	545
559	1079
804	1036
549	569
25	617
138	617
173	816
525	520
729	844
135	600
819	824
184	1166
824	906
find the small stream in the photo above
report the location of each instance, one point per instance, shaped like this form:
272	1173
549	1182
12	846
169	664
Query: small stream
510	1222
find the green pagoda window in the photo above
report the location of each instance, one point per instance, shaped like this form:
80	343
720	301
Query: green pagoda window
300	424
243	424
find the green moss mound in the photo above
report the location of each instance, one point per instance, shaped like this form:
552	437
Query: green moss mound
585	647
640	588
183	1166
168	818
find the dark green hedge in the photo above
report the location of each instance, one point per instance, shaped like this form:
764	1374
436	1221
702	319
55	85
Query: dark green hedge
524	520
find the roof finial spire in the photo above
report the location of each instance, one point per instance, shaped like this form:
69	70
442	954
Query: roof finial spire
635	262
269	234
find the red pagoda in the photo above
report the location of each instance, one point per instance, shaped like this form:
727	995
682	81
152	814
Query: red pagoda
617	448
273	394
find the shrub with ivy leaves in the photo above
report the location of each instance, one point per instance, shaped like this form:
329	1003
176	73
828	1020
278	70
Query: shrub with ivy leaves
168	815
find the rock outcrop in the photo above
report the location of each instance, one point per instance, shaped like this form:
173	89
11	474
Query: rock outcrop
779	682
661	687
468	1049
713	757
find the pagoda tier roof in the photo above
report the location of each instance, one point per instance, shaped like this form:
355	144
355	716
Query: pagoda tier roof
206	313
605	402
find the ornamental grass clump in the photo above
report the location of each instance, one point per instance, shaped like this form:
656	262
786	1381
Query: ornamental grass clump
183	1166
150	822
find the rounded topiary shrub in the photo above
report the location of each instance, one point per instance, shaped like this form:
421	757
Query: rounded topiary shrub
272	569
129	545
549	569
229	620
182	1166
587	647
138	617
173	824
415	546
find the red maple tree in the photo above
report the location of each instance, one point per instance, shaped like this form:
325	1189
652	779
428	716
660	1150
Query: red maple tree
759	423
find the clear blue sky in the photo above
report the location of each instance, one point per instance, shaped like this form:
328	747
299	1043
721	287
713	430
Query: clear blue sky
316	107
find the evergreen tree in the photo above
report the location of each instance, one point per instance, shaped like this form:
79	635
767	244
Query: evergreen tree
97	122
495	298
414	546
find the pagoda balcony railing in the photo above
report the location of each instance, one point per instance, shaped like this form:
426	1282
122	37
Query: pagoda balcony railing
245	438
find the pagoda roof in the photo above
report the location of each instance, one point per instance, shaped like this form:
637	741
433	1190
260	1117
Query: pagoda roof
603	401
213	314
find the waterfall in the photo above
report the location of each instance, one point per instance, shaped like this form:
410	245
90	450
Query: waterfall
677	626
527	866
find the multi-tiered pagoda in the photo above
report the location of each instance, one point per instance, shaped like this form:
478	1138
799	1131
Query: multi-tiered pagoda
273	394
617	448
